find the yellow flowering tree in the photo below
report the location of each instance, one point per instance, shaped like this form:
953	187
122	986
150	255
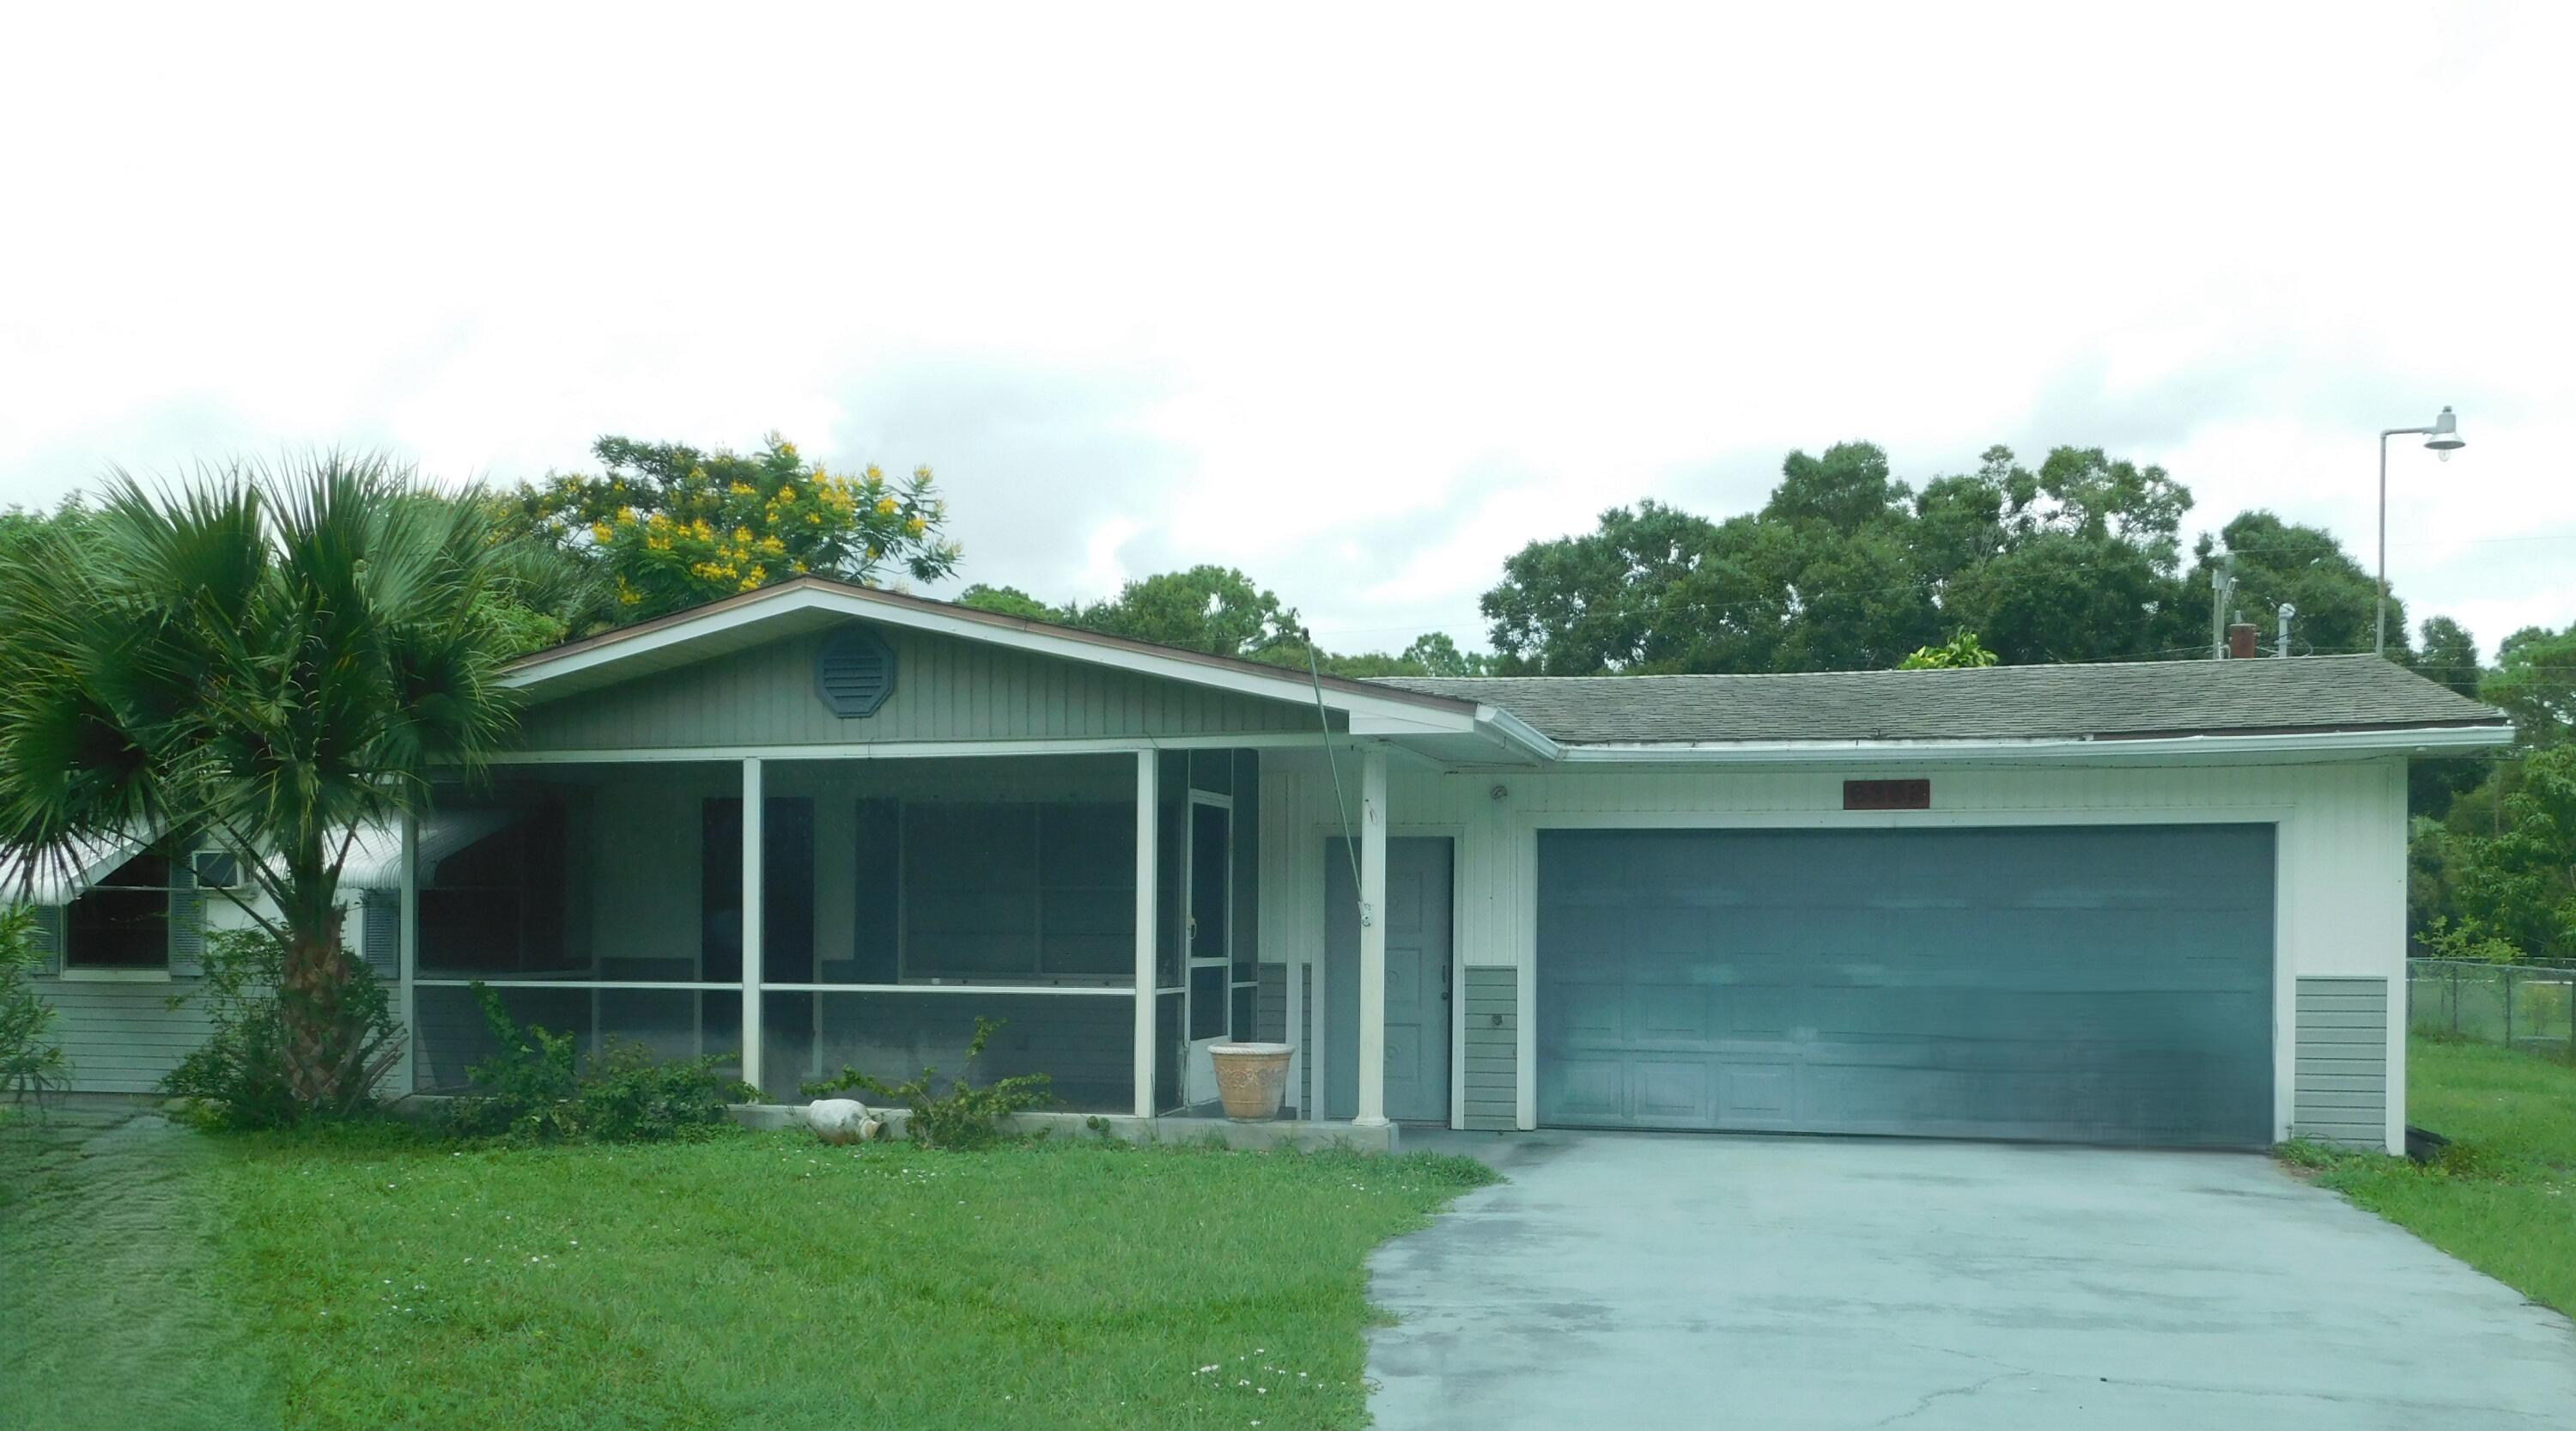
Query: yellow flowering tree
676	526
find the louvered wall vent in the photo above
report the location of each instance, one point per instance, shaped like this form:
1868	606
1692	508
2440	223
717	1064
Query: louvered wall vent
854	672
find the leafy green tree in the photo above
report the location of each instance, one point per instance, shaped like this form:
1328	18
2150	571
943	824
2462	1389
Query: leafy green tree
1639	594
1215	609
1845	568
1960	652
266	660
2084	561
1224	612
1008	601
672	526
1435	653
2518	885
2449	656
2277	562
2535	682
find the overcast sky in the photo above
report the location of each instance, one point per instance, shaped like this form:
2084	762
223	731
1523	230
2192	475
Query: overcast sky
1358	299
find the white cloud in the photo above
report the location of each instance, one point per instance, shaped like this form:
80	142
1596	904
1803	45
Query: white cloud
1359	300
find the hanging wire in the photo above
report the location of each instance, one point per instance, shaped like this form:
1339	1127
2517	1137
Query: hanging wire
1324	729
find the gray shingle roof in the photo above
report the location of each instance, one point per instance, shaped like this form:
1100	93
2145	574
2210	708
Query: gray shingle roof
2135	699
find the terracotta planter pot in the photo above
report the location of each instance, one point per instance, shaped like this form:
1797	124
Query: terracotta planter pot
1251	1078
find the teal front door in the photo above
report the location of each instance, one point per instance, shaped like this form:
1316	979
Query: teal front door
1418	957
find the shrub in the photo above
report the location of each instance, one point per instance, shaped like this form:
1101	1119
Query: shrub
244	1075
538	1089
965	1117
30	1065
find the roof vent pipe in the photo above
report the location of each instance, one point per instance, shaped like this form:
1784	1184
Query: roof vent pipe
2240	639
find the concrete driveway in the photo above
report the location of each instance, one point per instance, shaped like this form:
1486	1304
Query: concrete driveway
1664	1280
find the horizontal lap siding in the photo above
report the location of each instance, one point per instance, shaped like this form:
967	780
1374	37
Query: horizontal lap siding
1270	1006
123	1037
1492	1071
945	690
2342	1070
1310	1090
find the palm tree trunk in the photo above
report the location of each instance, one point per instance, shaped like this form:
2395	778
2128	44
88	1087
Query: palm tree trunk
314	994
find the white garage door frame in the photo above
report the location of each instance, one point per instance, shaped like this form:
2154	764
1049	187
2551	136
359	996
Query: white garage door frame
2284	974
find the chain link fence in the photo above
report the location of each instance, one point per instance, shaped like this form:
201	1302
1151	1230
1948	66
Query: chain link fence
2528	1006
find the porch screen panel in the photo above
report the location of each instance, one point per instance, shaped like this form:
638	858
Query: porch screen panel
970	890
877	888
787	889
1087	890
1171	1050
1171	828
1019	891
453	1035
1084	1043
499	905
1247	865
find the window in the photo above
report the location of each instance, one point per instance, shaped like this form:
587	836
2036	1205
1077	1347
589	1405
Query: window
123	921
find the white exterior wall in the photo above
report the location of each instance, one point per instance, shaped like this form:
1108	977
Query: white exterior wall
2339	861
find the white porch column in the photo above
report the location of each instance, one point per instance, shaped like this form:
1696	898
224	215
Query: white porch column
754	817
1372	1031
1148	911
408	942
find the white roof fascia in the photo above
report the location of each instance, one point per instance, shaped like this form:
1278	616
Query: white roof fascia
1788	752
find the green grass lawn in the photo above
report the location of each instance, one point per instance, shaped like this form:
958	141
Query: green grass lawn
766	1280
2503	1198
112	1312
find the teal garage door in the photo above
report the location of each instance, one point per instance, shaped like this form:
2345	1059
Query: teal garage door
2075	984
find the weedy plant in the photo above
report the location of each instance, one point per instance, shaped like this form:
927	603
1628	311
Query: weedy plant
31	1066
247	1074
963	1118
537	1088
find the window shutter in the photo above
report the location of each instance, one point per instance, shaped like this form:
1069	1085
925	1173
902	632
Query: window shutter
380	932
49	937
187	923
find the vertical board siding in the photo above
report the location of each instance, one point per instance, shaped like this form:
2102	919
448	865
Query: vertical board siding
2342	1078
1492	1054
946	689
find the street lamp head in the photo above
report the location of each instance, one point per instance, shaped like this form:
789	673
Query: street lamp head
2445	438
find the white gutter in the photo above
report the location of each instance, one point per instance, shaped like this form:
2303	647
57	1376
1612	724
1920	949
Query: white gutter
1794	752
1516	732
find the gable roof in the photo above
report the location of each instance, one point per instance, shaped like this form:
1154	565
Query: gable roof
810	603
2109	701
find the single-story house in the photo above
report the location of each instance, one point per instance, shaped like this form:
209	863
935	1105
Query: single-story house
2153	904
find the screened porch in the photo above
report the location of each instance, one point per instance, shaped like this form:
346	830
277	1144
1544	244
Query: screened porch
1101	907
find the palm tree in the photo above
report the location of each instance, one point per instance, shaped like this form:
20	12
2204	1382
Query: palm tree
266	660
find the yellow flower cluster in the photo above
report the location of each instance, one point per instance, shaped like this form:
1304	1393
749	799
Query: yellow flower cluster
751	520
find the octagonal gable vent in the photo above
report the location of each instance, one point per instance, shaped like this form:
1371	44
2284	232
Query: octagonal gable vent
854	672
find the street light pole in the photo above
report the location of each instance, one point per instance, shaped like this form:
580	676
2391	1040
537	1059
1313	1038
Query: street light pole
2443	438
